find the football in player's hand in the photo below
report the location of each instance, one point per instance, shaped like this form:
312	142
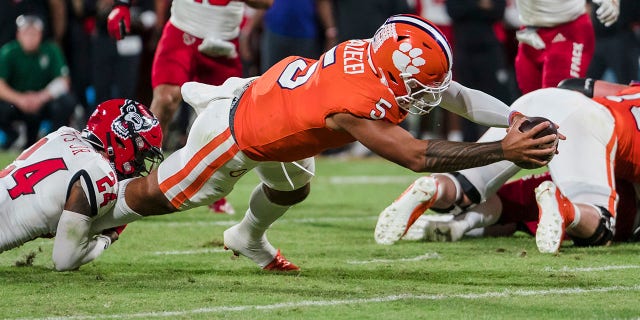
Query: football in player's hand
531	122
527	125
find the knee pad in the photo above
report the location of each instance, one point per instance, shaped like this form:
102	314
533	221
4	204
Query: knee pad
603	234
465	187
287	198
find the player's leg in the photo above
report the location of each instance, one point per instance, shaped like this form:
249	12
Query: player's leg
443	193
283	185
582	199
479	216
172	66
528	74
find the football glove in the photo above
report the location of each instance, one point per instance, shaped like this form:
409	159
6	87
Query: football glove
608	11
119	20
218	48
530	37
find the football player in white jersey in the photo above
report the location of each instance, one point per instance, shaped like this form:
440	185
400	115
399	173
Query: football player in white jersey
59	185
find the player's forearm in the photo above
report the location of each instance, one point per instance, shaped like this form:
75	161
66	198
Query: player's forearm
73	245
447	156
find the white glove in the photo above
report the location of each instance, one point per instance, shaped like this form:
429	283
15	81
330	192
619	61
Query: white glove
608	11
217	48
530	37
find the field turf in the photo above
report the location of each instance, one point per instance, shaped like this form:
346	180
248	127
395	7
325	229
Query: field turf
173	267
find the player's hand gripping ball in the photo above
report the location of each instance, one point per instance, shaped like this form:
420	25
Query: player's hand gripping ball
527	125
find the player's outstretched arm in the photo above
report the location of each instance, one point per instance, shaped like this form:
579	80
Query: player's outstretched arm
74	244
397	145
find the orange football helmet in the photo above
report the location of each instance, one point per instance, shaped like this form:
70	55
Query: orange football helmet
414	60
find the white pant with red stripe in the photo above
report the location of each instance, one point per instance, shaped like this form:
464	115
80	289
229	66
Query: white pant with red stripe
210	164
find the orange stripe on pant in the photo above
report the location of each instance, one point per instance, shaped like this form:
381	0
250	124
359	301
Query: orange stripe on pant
183	173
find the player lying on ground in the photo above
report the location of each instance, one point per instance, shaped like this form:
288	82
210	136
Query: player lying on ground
62	183
602	145
514	208
358	91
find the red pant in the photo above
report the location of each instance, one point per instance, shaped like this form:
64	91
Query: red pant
568	52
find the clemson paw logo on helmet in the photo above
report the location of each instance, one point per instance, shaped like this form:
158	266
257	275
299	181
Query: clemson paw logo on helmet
407	58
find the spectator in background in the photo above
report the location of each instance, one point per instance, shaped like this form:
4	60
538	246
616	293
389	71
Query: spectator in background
617	47
34	82
52	13
295	27
479	55
442	123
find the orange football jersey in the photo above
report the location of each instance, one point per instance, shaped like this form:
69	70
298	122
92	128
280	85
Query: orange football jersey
625	108
281	116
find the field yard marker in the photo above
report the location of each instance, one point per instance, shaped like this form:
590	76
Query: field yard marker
590	269
325	303
426	256
288	220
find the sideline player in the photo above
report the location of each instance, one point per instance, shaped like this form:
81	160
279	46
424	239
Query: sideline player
359	90
198	43
557	40
582	198
63	182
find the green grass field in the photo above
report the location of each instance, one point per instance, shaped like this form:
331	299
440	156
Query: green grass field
173	267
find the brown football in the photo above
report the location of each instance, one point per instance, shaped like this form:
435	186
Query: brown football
527	125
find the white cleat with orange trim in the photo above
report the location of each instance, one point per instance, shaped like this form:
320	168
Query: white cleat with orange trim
396	219
551	224
259	251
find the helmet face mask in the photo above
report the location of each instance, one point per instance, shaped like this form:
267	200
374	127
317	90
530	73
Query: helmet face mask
128	133
413	59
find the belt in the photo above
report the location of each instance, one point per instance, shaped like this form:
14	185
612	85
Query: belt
234	106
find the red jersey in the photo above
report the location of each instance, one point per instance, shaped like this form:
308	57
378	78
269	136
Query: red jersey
281	116
625	108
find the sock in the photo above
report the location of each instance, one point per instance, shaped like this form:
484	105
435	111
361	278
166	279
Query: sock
261	214
119	216
572	222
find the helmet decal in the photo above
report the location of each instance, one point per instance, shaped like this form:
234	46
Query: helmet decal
407	58
132	115
387	31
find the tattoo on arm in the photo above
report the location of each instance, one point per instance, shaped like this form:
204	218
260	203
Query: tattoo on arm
446	156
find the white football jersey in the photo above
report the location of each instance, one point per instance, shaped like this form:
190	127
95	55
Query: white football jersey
34	188
219	19
549	13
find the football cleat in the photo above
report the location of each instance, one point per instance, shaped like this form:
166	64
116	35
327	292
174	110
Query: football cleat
417	231
259	251
280	263
222	206
552	207
446	231
395	220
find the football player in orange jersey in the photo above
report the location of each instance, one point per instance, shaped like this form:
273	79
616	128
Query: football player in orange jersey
601	154
359	90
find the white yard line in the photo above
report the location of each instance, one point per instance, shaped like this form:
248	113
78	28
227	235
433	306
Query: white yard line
426	256
338	302
288	220
590	269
